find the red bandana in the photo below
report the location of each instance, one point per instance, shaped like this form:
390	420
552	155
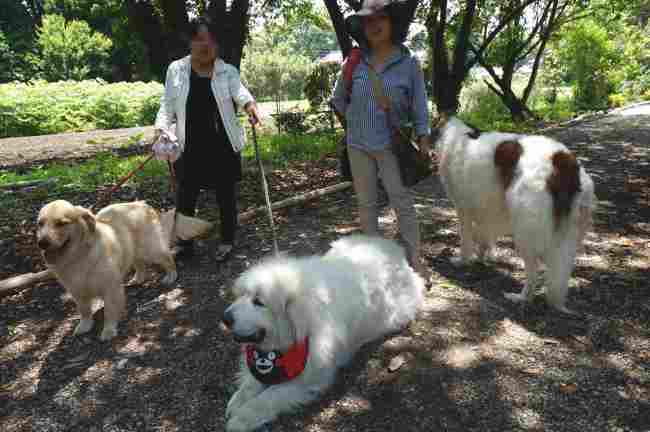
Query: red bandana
273	367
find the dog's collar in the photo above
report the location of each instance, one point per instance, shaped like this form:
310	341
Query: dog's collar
274	367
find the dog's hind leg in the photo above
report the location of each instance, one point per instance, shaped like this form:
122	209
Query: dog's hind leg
528	292
86	323
113	309
140	274
560	266
166	261
466	240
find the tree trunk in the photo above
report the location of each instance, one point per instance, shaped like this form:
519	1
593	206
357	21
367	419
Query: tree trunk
336	16
448	80
144	21
234	24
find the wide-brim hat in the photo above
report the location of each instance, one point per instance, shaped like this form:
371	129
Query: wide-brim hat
397	10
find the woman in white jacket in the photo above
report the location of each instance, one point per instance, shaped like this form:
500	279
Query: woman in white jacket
201	92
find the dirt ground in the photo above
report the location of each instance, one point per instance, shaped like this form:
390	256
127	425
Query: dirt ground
472	361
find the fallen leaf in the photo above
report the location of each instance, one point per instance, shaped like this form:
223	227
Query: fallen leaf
568	388
346	228
535	370
397	362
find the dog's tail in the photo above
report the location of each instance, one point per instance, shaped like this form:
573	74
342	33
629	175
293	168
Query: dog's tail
563	184
178	226
506	158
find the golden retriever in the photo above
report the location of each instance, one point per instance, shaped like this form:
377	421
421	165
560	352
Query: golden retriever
92	254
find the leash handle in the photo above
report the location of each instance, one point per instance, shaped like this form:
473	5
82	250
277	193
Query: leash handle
265	187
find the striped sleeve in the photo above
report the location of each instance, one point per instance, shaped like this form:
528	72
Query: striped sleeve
420	104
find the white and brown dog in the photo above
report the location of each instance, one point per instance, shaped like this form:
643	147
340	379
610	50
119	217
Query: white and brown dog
92	254
530	187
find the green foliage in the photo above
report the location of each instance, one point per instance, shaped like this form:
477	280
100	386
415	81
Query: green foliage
292	122
320	83
632	76
273	71
71	49
481	107
127	54
67	106
587	52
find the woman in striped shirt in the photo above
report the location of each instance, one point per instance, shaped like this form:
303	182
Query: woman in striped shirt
379	30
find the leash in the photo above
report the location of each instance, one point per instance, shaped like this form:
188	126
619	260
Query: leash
265	187
106	197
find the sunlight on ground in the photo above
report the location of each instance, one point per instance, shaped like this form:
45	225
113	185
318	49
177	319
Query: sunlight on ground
462	356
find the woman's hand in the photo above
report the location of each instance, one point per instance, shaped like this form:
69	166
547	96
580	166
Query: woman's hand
425	145
253	114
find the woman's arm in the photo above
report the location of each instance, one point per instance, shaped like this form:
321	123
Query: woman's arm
166	114
420	104
338	99
242	97
239	93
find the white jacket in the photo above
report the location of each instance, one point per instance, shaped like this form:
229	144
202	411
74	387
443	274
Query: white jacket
226	87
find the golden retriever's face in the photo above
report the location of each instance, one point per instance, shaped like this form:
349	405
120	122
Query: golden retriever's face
60	224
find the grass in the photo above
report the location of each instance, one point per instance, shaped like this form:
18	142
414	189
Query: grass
106	167
280	149
103	168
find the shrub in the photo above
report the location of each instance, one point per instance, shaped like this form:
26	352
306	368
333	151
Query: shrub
319	84
68	106
292	122
481	107
588	54
274	73
616	100
71	49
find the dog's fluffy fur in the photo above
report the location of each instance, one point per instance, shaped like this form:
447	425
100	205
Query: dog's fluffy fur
91	255
530	187
361	289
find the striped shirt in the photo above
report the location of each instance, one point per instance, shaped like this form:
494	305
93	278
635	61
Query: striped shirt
367	124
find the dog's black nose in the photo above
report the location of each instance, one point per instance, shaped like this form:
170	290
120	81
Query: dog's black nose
43	243
228	320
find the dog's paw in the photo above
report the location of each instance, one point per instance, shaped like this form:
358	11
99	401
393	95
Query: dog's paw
109	331
137	279
84	326
169	278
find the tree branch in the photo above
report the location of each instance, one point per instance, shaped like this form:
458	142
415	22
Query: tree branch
502	24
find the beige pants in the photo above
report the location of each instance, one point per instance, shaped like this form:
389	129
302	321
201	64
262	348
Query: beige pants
365	167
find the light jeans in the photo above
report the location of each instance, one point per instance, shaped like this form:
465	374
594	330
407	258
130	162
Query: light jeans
365	167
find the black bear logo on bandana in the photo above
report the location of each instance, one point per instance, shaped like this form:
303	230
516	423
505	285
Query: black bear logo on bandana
274	367
264	361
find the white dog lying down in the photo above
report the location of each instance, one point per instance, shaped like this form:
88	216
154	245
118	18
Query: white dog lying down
315	313
91	255
531	187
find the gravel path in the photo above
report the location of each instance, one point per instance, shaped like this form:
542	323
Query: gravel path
473	361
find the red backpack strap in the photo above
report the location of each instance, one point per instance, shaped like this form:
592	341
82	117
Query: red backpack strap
354	58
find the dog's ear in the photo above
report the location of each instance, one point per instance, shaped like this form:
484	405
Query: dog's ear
299	315
87	217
